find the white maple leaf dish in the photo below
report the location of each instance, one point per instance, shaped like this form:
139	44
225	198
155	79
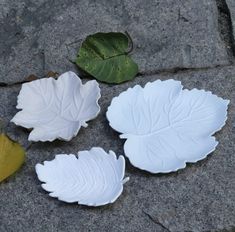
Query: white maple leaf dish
166	126
57	108
94	178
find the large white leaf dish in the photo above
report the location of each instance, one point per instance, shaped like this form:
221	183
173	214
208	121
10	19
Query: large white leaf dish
93	178
57	108
165	125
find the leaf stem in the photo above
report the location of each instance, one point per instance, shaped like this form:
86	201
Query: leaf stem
130	42
71	61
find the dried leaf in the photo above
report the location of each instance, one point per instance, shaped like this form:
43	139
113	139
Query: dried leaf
52	74
31	77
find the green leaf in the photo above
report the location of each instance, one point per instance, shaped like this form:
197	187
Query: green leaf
12	156
105	57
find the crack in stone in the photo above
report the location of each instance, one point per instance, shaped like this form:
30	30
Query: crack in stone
179	69
156	221
143	73
3	84
232	229
8	85
29	146
226	27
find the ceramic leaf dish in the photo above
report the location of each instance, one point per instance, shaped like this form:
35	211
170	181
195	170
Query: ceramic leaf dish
57	108
93	178
165	125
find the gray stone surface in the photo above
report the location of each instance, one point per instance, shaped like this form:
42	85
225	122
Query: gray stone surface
167	34
39	36
200	197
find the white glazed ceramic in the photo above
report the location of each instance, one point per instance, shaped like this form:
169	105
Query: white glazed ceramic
57	108
93	178
166	126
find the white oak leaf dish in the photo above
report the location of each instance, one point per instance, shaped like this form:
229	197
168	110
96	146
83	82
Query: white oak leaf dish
57	108
93	178
166	126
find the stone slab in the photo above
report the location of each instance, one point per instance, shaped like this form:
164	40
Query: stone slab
36	37
200	197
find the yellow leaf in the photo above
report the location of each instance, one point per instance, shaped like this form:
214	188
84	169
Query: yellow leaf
11	156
